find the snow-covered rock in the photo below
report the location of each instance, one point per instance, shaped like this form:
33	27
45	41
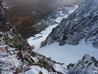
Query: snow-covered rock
51	21
81	24
16	55
87	65
5	5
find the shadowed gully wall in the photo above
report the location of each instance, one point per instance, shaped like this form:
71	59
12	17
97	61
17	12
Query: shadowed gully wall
24	13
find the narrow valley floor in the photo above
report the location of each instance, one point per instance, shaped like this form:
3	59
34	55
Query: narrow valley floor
65	54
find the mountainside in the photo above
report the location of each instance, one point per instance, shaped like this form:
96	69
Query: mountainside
24	14
49	22
16	55
80	25
87	65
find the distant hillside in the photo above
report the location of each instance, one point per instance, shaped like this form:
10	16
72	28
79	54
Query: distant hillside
24	13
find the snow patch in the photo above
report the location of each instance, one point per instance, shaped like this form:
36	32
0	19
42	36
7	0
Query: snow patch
37	70
67	53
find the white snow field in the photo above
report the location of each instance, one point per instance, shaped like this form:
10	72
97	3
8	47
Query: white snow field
65	54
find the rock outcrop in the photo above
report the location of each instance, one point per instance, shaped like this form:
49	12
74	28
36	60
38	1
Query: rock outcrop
81	24
87	65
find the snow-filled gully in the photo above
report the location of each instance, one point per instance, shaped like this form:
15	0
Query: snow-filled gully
65	54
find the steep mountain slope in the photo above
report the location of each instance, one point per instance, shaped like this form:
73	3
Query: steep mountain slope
81	24
16	55
48	23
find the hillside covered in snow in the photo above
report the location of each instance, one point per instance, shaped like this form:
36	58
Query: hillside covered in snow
74	27
81	24
77	34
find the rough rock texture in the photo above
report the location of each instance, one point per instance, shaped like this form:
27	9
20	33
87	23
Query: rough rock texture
87	65
81	24
15	50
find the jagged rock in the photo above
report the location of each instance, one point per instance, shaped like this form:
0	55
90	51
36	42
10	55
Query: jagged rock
87	65
81	24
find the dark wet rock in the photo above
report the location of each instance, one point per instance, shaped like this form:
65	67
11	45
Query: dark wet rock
81	24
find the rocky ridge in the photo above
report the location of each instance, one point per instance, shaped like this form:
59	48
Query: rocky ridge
80	25
87	65
16	55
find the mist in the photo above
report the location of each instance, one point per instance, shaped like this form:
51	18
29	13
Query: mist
24	13
41	6
38	3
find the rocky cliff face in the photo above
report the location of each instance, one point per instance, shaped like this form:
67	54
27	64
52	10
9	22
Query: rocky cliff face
87	65
81	24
